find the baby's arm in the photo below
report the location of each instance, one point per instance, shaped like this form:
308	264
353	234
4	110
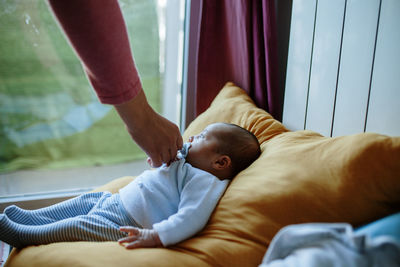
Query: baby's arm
139	238
198	199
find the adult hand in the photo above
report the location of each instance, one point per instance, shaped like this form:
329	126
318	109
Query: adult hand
139	238
159	138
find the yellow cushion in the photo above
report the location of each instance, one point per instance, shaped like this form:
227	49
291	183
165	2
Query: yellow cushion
299	177
115	185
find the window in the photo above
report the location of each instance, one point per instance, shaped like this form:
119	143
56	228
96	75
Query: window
51	120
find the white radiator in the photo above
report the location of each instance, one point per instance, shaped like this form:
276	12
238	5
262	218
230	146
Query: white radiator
343	73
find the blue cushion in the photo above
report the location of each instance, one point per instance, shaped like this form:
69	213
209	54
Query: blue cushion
389	225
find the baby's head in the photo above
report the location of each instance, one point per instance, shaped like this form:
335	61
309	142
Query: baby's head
223	149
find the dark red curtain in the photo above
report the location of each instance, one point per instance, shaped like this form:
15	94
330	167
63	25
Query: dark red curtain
237	42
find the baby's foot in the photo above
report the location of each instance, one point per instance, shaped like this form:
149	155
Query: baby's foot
9	232
18	215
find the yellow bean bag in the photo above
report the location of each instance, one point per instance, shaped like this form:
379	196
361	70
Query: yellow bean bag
300	177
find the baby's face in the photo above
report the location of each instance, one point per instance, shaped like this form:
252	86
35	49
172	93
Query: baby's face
203	148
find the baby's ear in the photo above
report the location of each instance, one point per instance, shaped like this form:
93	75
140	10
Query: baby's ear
222	162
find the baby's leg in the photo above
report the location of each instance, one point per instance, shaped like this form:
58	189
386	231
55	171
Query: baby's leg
100	224
81	228
80	205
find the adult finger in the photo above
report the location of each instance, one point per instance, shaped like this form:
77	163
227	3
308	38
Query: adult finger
167	153
169	156
155	160
179	142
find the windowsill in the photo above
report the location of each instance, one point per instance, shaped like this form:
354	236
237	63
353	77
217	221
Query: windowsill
36	188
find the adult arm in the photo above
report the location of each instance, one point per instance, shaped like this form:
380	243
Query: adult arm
97	31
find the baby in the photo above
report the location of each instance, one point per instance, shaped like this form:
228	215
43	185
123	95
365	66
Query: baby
160	207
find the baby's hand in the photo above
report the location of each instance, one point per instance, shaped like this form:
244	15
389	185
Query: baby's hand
138	238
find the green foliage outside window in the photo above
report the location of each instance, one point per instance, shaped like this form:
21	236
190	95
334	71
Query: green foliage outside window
49	115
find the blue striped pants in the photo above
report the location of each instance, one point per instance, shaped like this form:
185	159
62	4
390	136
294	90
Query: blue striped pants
89	217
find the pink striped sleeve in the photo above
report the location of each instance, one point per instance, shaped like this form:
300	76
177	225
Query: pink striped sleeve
97	32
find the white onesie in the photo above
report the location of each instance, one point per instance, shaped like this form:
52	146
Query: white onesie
176	201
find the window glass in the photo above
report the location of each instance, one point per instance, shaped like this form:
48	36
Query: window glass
50	116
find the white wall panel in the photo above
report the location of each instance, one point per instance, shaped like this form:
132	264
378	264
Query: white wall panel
299	59
344	67
358	46
384	107
326	52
